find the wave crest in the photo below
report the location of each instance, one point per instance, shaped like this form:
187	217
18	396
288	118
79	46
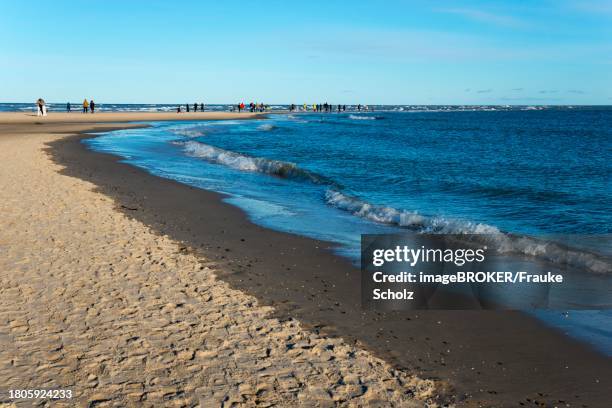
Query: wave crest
188	132
243	162
266	127
365	117
358	117
500	241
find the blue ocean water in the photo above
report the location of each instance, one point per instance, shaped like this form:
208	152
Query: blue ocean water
522	175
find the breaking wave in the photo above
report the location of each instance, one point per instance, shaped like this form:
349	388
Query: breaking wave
266	127
358	117
362	117
243	162
502	242
188	132
402	218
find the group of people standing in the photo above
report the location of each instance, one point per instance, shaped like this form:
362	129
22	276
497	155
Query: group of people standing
179	109
258	107
41	107
90	106
326	107
87	106
253	107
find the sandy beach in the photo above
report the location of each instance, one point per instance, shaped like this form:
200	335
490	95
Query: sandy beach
135	290
9	118
95	301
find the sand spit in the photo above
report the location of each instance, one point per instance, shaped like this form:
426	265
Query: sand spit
95	302
14	118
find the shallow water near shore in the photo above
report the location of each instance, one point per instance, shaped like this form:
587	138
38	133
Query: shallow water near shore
336	176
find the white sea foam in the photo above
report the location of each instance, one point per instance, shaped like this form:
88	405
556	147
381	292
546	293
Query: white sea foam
359	117
502	242
247	163
188	132
266	127
403	218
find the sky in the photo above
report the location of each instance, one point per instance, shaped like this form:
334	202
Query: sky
369	52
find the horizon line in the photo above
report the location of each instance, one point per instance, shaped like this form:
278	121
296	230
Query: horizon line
299	104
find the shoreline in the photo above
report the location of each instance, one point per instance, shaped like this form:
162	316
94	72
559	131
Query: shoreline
474	350
97	305
21	118
489	358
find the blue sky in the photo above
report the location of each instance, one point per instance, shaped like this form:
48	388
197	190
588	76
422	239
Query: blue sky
388	52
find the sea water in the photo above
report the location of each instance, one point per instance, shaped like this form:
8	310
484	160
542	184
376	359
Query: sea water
531	173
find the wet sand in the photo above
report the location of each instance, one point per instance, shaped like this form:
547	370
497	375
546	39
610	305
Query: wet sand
479	358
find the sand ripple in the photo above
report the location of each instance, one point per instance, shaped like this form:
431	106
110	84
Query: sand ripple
93	301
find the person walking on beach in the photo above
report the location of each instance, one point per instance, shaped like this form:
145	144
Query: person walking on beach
195	107
39	106
85	106
202	107
178	109
68	107
92	106
187	107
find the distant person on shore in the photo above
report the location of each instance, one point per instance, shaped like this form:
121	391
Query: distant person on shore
187	107
68	107
85	106
239	108
39	105
195	107
178	109
202	107
92	106
42	108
